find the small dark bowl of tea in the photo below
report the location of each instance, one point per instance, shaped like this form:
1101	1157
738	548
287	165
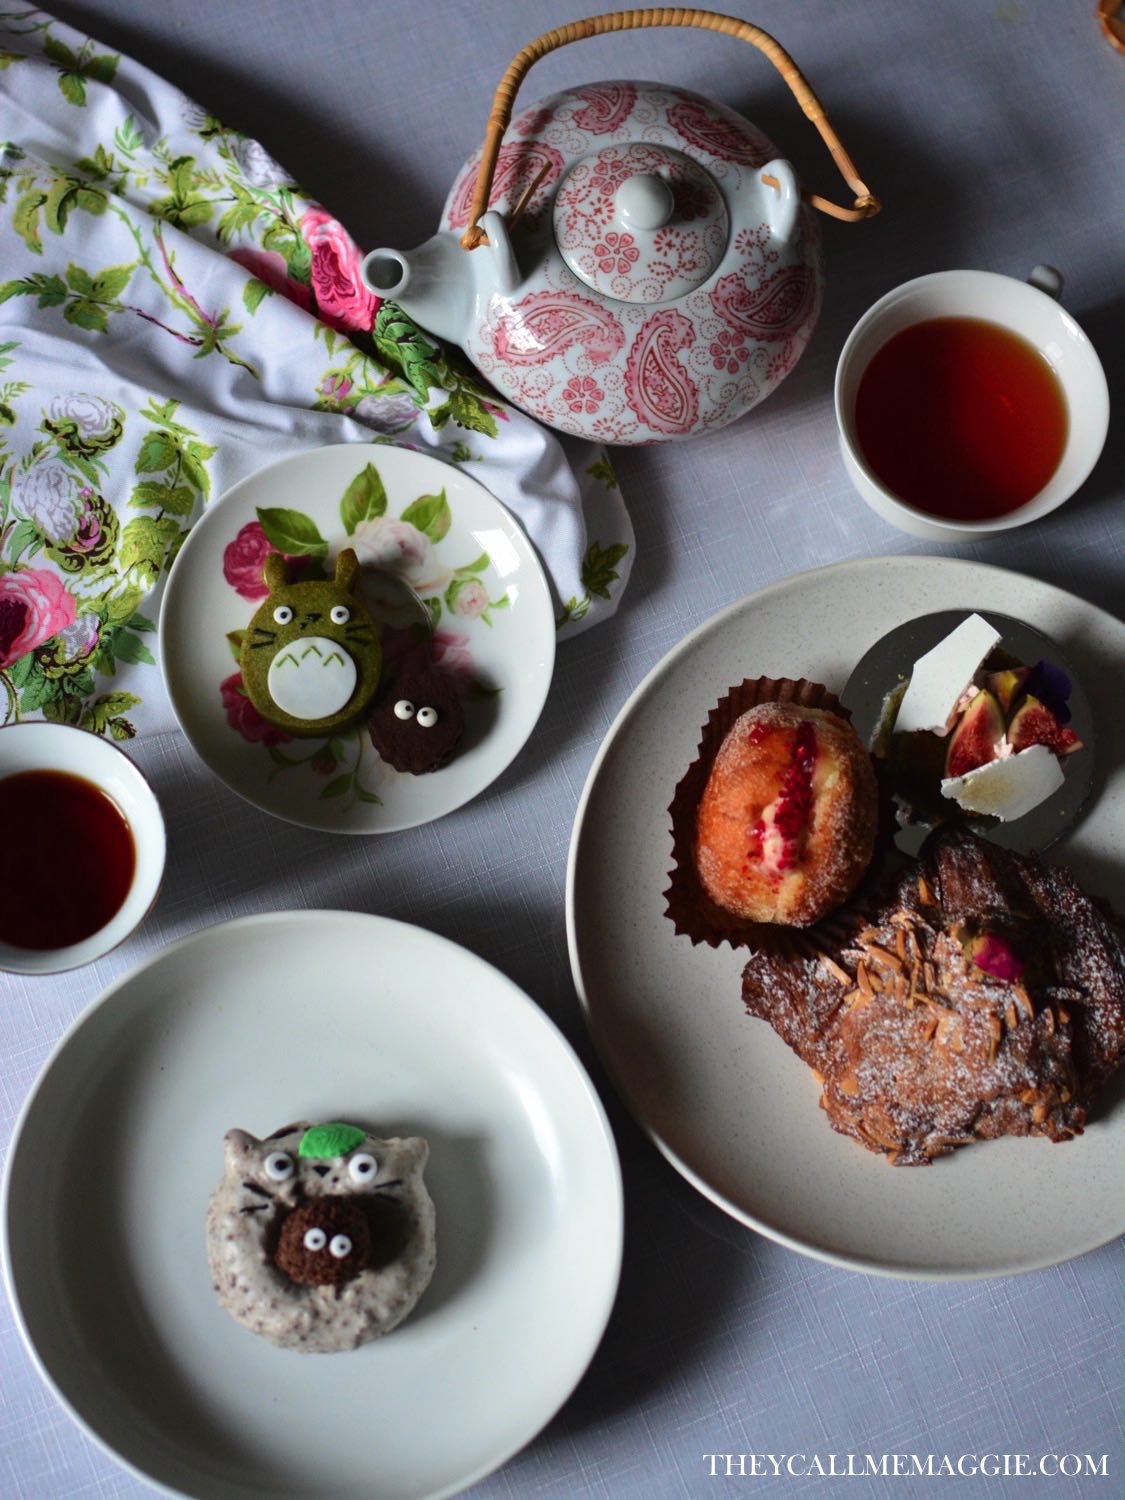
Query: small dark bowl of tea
66	860
961	418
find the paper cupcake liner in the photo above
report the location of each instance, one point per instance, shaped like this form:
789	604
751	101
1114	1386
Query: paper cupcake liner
691	910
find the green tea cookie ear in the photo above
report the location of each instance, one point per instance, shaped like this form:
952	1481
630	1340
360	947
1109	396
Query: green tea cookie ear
275	572
347	568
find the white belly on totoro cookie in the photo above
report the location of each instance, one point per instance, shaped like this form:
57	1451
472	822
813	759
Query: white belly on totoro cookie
312	678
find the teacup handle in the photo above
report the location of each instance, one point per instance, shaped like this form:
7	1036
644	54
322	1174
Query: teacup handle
865	203
1047	279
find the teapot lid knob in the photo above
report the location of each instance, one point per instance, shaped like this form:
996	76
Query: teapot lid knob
645	201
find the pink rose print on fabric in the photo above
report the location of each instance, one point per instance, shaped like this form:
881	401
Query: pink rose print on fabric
269	267
243	717
583	394
342	300
244	557
34	605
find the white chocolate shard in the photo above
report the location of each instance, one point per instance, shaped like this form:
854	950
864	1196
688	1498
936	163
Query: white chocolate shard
1007	788
941	676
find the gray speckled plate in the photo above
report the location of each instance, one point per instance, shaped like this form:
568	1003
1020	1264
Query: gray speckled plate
723	1097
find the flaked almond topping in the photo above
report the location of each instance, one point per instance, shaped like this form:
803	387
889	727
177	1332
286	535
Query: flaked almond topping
925	895
1011	1016
900	942
840	975
1023	1000
931	1027
1065	1096
863	979
849	1085
1049	1020
1064	1016
1039	1113
854	999
884	959
876	983
865	934
995	1035
928	975
900	988
1029	1096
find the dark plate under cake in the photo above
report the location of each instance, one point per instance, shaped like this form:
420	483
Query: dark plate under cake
986	997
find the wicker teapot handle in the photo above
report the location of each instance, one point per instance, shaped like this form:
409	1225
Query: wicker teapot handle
865	203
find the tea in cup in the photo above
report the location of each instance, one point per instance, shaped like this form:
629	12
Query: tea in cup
82	855
969	403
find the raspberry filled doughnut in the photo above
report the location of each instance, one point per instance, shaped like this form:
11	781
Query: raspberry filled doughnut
786	824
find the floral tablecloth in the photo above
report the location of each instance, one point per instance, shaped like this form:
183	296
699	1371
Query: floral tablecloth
177	313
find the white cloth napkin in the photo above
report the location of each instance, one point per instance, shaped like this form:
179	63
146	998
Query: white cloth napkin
175	314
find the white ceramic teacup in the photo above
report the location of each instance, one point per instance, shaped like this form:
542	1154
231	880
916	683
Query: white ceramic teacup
59	747
1028	308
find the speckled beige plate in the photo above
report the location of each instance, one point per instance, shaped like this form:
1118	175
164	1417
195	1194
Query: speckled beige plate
723	1097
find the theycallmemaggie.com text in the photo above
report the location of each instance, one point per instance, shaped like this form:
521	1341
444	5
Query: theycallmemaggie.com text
902	1465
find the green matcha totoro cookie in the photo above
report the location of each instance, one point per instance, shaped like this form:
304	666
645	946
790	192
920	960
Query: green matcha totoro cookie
311	657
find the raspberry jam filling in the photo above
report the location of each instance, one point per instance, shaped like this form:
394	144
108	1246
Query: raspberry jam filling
777	839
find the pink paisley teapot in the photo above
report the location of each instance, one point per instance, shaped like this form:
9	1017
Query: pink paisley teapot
628	262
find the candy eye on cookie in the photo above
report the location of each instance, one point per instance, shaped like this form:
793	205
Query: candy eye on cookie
363	1167
279	1166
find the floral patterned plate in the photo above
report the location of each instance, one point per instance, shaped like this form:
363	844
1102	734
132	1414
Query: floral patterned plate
435	548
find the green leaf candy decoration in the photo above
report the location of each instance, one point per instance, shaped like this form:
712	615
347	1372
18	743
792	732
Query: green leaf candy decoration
330	1140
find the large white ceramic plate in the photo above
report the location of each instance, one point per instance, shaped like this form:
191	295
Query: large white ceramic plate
721	1095
428	525
311	1015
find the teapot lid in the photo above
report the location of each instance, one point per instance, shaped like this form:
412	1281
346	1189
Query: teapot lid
640	222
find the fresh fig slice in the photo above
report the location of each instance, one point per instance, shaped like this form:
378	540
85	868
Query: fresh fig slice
1033	723
978	736
1006	686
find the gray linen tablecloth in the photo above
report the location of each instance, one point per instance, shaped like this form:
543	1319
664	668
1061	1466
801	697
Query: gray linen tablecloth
993	133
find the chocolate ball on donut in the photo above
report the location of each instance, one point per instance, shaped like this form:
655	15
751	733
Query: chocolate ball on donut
786	824
325	1242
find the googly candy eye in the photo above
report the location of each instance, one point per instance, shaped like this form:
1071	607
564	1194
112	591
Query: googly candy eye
362	1167
339	614
283	614
340	1245
279	1166
427	717
404	709
316	1239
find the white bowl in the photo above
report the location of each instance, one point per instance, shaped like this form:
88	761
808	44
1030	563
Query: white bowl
1023	309
60	747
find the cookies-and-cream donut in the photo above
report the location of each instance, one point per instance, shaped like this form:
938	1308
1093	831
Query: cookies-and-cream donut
786	824
321	1237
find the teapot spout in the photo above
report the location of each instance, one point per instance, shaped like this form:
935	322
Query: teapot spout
433	283
442	286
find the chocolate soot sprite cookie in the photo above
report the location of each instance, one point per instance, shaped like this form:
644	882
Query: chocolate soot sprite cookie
418	720
321	1237
311	657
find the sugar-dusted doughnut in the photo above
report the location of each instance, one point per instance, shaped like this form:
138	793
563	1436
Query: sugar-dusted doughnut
786	824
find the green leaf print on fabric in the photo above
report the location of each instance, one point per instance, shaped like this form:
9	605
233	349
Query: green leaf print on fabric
76	68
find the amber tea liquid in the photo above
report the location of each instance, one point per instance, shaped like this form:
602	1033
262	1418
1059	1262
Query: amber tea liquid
66	859
961	418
